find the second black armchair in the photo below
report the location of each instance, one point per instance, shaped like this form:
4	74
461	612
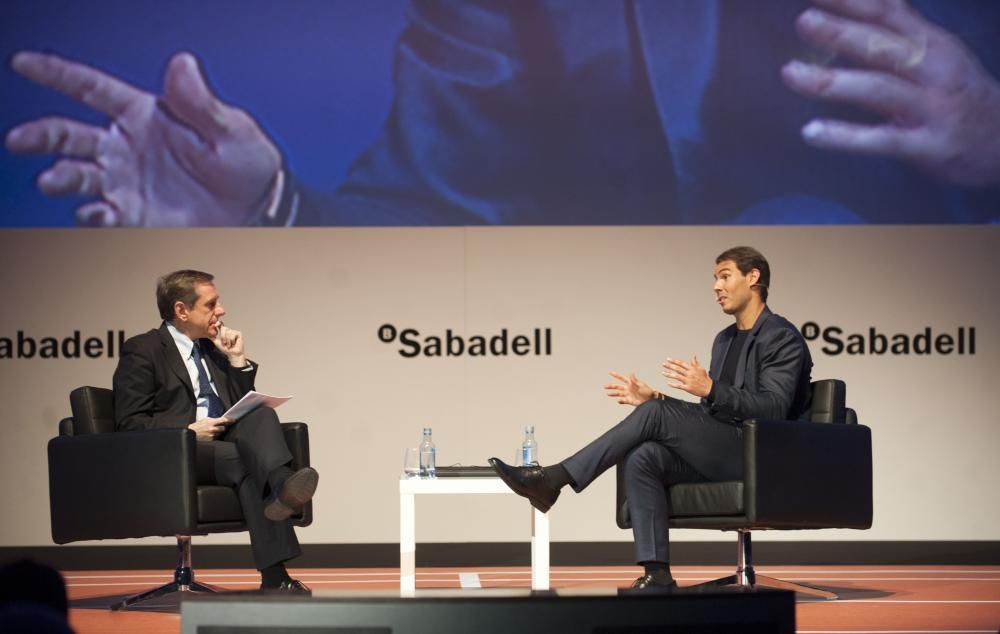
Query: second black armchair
814	473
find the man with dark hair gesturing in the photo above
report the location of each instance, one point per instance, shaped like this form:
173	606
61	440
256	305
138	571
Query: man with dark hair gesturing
760	368
186	373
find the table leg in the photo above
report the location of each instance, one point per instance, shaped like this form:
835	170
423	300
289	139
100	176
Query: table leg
539	550
407	543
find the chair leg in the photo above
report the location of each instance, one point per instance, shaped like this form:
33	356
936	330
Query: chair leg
183	579
746	577
771	582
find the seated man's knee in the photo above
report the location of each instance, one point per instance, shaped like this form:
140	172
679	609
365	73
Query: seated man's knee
647	458
650	406
260	416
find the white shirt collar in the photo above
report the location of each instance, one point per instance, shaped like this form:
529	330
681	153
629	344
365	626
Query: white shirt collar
184	344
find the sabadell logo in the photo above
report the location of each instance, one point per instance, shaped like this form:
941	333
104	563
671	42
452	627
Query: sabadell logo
873	341
411	343
73	346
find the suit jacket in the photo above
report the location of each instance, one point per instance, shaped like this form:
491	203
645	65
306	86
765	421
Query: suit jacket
153	389
629	112
772	375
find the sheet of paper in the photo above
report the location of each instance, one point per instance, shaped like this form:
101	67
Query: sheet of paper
251	401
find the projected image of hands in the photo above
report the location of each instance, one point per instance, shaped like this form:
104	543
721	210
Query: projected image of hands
936	106
415	113
180	158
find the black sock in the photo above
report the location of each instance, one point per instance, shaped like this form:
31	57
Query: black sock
272	576
557	475
278	476
658	569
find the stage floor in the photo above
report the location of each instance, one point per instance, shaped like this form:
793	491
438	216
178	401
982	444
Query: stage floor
876	599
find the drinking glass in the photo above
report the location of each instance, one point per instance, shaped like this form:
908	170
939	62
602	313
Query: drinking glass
411	463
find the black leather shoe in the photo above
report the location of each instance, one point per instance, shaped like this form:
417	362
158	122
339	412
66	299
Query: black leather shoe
290	586
654	583
296	490
527	482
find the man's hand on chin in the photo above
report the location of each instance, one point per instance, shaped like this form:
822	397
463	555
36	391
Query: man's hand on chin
230	343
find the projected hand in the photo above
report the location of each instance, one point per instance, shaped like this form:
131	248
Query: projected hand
941	107
631	391
180	159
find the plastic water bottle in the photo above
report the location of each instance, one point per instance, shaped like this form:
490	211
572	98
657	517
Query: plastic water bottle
529	448
427	455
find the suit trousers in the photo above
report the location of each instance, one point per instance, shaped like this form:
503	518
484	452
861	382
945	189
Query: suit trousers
662	442
242	458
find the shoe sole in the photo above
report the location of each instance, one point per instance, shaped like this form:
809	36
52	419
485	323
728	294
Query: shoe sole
538	504
301	487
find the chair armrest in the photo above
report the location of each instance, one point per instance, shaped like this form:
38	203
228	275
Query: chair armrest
297	439
122	484
622	516
807	475
66	427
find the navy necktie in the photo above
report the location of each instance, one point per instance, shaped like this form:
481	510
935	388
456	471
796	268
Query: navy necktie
215	406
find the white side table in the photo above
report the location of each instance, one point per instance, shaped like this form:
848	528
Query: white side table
410	487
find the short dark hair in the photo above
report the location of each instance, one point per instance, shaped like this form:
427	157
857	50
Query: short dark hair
179	286
746	260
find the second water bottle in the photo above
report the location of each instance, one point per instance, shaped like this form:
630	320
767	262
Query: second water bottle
427	455
529	448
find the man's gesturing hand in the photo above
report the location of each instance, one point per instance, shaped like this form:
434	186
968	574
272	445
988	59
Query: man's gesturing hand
182	158
209	428
690	377
941	107
631	391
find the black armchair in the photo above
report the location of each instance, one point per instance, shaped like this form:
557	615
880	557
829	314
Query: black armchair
105	484
797	475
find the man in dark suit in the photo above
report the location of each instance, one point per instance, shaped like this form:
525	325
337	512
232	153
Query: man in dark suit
187	373
760	369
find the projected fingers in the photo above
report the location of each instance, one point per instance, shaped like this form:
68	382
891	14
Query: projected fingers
894	14
941	107
55	135
70	177
869	44
187	97
100	91
876	91
885	139
98	214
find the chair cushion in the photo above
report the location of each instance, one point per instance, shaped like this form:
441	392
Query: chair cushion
706	498
218	504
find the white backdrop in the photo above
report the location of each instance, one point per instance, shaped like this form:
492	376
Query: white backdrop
310	303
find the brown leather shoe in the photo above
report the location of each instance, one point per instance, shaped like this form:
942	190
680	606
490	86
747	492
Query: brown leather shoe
296	491
527	482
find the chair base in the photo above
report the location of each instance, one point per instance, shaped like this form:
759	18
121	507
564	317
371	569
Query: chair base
183	579
769	582
746	577
165	589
